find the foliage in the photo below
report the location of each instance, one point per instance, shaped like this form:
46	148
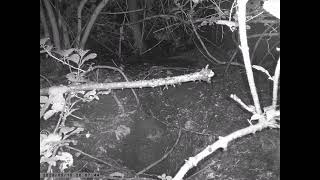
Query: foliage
166	24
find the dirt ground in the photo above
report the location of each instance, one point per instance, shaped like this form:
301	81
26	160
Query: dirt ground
201	111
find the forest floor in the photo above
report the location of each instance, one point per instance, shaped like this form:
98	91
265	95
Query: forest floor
127	138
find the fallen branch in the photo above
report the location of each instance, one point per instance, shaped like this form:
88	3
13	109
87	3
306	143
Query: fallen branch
205	75
122	73
221	143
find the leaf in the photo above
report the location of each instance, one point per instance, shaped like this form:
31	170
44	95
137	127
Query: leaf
66	160
76	78
66	129
122	131
49	48
88	135
90	93
43	41
117	174
49	114
82	52
43	99
47	144
256	117
71	76
164	177
196	1
88	57
77	154
65	53
74	58
57	99
203	23
105	92
50	161
42	137
58	104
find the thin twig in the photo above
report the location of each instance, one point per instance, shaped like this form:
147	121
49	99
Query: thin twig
163	157
202	44
203	169
97	159
122	12
152	47
183	129
258	42
46	79
263	34
275	85
269	52
70	66
230	61
208	53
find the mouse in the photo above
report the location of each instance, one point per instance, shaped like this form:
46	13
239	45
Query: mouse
150	129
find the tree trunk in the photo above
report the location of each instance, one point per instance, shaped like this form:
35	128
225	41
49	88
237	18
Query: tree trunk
65	42
44	22
136	28
93	18
79	16
65	34
54	27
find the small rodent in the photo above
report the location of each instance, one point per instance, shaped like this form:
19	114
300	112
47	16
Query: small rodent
150	129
